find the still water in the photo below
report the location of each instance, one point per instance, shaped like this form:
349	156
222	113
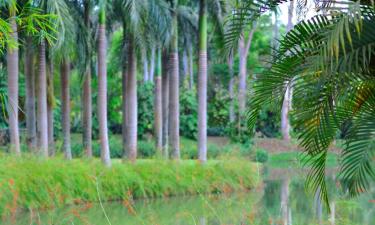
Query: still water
281	199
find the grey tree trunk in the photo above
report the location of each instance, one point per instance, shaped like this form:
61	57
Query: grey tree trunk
232	116
185	66
87	94
145	66
174	104
152	64
42	120
131	100
124	107
165	103
12	66
50	105
202	83
87	114
65	107
285	125
102	96
191	70
30	96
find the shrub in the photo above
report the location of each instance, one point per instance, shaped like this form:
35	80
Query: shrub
261	156
188	113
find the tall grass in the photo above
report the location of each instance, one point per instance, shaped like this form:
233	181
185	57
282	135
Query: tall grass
30	182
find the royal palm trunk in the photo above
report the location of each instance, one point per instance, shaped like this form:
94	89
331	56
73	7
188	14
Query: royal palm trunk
30	96
285	125
174	105
65	109
87	94
152	65
12	66
231	89
124	88
102	92
50	105
131	100
42	120
242	76
202	83
165	102
158	106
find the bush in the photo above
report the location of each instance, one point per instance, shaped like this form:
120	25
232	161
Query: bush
188	113
145	109
261	156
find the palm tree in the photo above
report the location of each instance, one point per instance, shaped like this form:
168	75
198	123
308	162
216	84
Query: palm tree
30	94
65	109
158	111
42	121
102	88
202	83
12	66
330	71
285	125
165	102
174	106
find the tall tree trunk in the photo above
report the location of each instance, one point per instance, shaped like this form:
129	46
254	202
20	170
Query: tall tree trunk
158	106
12	66
124	89
152	64
174	104
87	114
243	50
185	66
145	66
131	100
102	91
285	125
285	208
42	120
65	111
191	70
50	105
202	83
165	103
232	116
30	95
87	94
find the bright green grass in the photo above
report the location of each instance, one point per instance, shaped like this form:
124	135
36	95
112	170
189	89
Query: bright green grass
295	159
29	182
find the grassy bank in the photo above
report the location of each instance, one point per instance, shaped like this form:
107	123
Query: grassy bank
34	183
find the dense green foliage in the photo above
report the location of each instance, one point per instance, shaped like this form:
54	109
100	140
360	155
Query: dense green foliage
36	183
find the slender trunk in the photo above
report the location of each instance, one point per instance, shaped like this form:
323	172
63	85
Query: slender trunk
174	105
285	125
42	120
202	83
102	92
242	77
145	66
243	49
158	106
87	114
165	103
275	38
124	89
191	70
232	116
185	66
152	64
132	110
65	108
30	96
87	95
50	105
12	66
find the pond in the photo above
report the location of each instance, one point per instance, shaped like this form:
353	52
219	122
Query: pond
281	199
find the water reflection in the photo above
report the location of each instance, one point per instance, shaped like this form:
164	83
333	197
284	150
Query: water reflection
281	200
